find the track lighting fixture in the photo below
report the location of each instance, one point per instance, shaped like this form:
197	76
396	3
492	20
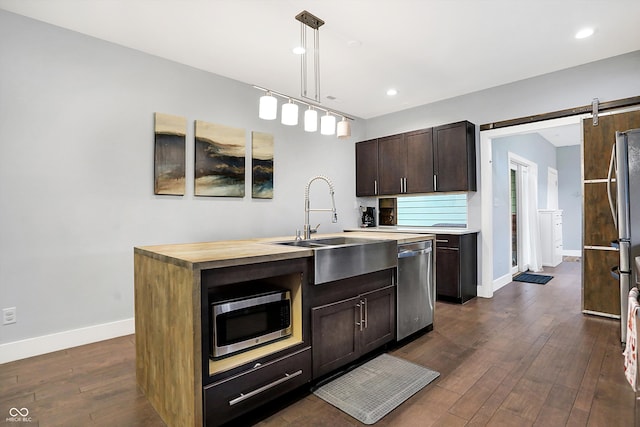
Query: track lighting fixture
268	108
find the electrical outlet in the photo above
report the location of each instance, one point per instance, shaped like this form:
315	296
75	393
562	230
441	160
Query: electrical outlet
9	316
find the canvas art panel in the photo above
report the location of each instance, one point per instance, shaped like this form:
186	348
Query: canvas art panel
169	154
220	153
261	165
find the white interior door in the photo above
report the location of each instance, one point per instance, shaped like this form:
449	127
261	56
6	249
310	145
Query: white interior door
526	209
514	189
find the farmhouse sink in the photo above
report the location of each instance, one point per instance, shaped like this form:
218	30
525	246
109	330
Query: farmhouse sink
329	241
336	258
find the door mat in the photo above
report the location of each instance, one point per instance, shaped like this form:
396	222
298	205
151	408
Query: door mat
372	390
540	279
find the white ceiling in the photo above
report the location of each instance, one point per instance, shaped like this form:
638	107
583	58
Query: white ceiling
427	49
562	136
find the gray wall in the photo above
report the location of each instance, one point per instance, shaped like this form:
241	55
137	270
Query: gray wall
76	163
76	173
570	195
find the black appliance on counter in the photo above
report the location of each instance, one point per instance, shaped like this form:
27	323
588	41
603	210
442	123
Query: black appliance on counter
368	217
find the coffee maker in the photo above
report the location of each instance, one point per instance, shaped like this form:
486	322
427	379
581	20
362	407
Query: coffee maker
368	216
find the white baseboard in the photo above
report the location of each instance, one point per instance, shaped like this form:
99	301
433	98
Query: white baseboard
502	281
572	252
485	292
62	340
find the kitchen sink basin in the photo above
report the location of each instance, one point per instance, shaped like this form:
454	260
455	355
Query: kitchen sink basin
329	241
336	258
302	243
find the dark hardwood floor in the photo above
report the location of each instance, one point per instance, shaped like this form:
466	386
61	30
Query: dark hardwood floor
526	357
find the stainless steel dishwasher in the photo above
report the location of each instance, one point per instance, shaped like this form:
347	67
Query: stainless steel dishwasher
415	288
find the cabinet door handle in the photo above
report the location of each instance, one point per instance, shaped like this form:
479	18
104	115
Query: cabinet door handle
435	182
366	313
375	186
252	393
360	321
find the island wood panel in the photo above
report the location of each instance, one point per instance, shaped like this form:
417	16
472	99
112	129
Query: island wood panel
168	337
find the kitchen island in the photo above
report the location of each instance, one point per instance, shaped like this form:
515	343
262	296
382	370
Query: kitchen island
173	287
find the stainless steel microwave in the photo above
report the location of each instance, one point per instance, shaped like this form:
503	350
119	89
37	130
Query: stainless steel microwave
243	323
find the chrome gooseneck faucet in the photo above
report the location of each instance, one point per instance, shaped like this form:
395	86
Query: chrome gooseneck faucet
307	229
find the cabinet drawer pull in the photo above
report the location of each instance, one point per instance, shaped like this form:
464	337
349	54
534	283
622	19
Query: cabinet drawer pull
249	395
366	314
442	241
360	320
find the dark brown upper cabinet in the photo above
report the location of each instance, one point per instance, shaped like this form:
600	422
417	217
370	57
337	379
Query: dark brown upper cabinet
419	173
367	168
454	166
405	163
392	164
422	161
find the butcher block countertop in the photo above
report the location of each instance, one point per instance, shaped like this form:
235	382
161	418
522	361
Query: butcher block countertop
239	252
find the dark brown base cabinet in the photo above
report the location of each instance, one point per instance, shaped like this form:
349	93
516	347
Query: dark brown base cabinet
361	320
243	385
456	267
228	398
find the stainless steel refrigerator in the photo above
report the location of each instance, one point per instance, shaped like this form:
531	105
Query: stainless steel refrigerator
624	172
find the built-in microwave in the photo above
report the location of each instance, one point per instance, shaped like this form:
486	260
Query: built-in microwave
241	323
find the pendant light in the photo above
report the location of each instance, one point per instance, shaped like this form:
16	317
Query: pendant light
268	109
290	113
344	129
310	120
309	72
327	124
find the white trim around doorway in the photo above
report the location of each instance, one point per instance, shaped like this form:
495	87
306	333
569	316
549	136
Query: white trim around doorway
488	285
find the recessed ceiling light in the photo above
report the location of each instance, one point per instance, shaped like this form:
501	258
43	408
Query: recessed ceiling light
299	50
584	33
392	92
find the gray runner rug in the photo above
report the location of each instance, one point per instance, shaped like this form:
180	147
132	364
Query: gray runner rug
372	390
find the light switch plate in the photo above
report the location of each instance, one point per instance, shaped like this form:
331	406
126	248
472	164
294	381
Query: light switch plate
9	316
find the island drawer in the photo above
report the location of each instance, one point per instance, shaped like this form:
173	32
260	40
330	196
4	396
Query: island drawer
231	397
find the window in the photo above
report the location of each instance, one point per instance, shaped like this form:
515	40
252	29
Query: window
445	210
